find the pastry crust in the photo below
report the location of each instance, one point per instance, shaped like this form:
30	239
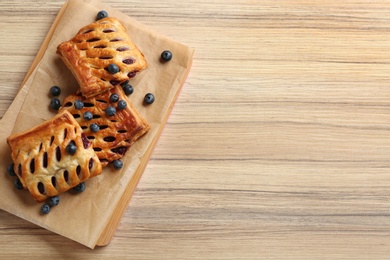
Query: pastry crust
42	163
96	46
117	133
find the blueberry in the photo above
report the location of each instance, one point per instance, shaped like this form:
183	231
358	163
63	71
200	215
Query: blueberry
166	55
88	115
102	14
122	104
71	148
55	91
10	170
55	104
128	89
124	83
110	111
18	185
114	97
45	209
149	98
54	201
79	188
94	127
113	68
78	104
118	164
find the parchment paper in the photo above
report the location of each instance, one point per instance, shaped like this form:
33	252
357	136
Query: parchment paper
83	217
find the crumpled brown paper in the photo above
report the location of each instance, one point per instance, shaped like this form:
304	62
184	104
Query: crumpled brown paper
91	217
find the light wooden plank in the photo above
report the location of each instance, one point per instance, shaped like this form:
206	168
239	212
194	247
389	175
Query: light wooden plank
278	144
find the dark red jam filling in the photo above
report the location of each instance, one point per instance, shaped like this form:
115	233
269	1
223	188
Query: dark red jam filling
85	140
120	150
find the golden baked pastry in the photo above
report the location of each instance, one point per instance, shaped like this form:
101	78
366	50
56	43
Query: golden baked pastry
94	49
115	133
42	162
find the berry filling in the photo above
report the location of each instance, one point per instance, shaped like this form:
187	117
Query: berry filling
119	150
45	159
41	188
85	140
90	164
132	74
128	61
93	40
53	181
114	82
122	48
109	138
58	153
108	30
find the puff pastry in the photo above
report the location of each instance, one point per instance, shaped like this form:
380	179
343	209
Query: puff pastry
42	163
94	48
116	133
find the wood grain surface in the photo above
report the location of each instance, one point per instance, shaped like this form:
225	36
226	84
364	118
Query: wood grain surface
278	146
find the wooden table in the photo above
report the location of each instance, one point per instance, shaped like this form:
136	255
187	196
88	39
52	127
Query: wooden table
278	145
